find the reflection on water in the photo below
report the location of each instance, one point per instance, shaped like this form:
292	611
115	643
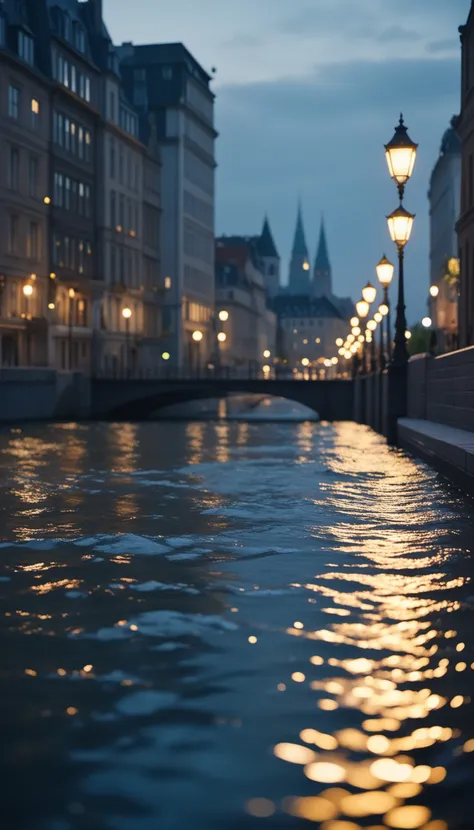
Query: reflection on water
212	625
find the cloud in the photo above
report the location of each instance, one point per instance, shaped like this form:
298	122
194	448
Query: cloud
394	33
242	41
448	45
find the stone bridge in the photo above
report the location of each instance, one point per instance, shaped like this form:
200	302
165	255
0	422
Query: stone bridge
135	399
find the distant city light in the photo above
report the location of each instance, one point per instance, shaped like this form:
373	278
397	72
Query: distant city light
166	355
167	282
334	361
266	370
51	306
306	266
434	290
354	321
305	361
340	341
408	335
267	354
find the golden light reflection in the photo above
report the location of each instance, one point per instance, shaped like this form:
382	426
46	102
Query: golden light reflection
311	808
294	753
195	432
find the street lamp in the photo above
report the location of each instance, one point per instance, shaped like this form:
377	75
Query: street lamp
339	342
434	291
71	294
267	353
400	153
426	322
385	271
369	293
126	314
223	316
400	224
354	321
197	337
27	293
363	309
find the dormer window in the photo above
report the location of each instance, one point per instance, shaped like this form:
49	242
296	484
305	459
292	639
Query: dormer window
79	38
26	47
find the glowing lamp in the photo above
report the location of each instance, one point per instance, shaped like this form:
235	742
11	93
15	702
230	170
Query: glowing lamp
127	313
223	316
371	325
222	337
434	290
400	225
385	271
197	336
369	293
384	309
362	309
27	290
426	322
400	153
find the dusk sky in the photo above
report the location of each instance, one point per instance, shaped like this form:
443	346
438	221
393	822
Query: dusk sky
308	92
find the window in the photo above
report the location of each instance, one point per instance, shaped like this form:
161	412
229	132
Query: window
60	130
33	175
73	138
88	141
35	108
80	260
26	47
73	78
13	172
58	189
13	235
112	99
67	134
121	166
121	218
80	143
81	199
67	193
113	209
32	241
13	102
79	38
65	77
167	73
87	196
112	158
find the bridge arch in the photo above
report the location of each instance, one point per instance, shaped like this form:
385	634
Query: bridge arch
139	399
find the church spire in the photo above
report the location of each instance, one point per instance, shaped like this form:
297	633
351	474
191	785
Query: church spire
298	281
322	273
266	243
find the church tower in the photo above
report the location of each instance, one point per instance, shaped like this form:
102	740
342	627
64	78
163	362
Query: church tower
270	259
298	280
322	272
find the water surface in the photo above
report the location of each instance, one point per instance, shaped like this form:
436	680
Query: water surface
229	625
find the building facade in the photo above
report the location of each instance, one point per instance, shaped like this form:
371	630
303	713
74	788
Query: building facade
166	81
308	329
24	191
465	225
80	197
445	203
246	339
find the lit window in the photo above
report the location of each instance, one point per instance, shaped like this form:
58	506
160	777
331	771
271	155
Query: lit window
167	282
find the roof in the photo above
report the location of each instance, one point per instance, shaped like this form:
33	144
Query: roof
299	305
322	257
451	143
150	53
265	242
237	249
299	241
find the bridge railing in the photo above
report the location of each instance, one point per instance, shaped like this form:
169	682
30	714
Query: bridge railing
210	373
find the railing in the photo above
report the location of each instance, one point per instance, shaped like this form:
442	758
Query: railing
214	373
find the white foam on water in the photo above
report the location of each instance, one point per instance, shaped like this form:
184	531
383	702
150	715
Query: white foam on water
180	541
152	585
169	647
163	623
117	676
131	543
145	703
5	578
179	557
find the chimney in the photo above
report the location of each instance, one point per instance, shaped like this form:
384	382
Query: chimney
96	14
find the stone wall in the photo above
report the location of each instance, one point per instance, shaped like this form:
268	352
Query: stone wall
441	389
42	394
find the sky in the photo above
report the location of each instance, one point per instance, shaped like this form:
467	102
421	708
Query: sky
307	94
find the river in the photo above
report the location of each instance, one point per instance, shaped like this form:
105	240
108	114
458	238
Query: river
213	625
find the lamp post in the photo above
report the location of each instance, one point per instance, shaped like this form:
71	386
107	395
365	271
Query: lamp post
372	326
71	294
378	317
126	314
27	293
400	224
400	153
385	271
369	293
197	337
363	309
